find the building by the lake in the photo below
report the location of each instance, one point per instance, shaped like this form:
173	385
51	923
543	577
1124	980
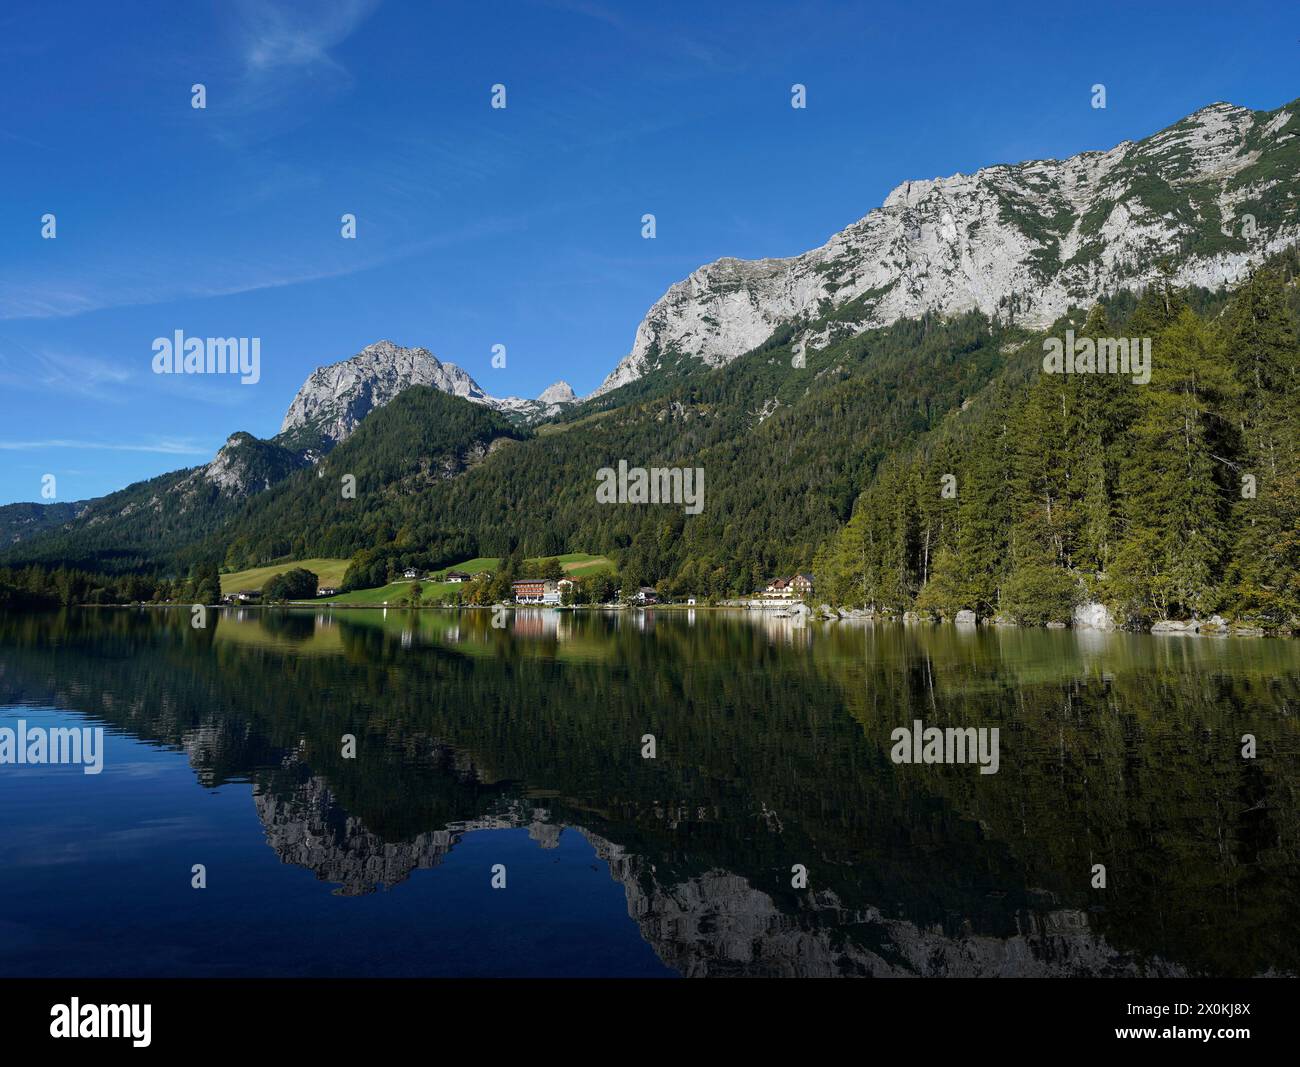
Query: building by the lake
801	585
536	591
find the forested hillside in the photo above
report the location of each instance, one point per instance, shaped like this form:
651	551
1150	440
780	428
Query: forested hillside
1173	499
372	490
784	451
145	527
150	526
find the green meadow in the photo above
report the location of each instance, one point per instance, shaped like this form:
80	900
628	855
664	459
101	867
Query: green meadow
578	564
329	571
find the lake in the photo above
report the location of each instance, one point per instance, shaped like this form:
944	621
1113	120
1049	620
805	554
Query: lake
495	812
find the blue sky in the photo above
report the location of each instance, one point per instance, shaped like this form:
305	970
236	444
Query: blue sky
477	226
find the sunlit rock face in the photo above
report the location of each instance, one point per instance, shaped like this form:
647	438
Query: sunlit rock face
335	398
1023	241
244	466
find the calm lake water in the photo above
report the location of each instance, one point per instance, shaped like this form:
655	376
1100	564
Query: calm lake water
522	747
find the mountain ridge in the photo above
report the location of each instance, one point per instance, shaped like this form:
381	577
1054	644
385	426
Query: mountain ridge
334	398
1023	241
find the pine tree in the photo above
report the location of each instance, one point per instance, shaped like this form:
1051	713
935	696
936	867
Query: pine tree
1262	344
1174	481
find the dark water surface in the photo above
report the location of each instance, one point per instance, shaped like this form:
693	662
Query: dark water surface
522	747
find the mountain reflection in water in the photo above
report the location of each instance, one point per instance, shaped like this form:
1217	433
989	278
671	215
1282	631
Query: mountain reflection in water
773	743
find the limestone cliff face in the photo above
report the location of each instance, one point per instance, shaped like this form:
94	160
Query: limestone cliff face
559	393
1026	240
335	398
244	465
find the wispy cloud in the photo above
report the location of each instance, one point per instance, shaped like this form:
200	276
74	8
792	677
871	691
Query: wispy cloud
24	140
40	301
280	36
651	31
159	281
164	446
280	71
59	372
283	56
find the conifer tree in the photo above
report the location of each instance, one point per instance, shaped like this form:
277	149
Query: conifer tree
1173	482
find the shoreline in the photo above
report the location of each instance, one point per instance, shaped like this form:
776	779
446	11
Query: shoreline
1166	628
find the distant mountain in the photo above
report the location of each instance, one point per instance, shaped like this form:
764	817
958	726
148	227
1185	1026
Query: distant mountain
553	400
1020	242
335	398
559	393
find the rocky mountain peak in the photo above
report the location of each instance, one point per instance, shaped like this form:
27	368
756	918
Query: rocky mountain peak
1021	241
335	398
559	393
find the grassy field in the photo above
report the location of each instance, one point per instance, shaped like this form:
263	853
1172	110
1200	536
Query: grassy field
472	566
393	594
546	429
572	562
585	568
329	571
579	564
